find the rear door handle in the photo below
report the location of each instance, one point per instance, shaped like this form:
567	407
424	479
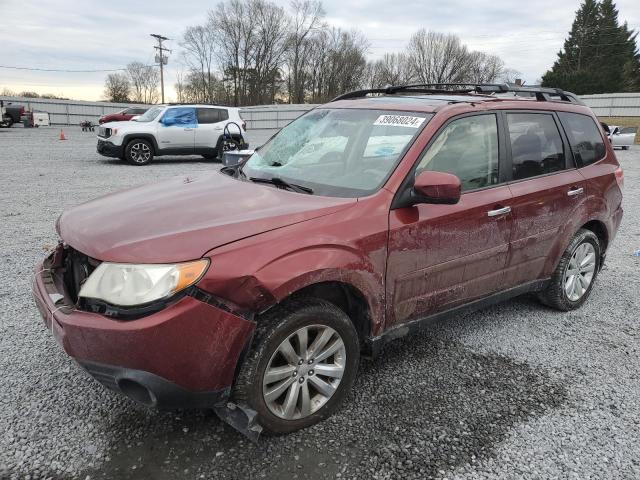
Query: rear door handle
188	129
499	211
575	191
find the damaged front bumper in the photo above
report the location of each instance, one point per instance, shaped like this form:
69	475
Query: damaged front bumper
184	355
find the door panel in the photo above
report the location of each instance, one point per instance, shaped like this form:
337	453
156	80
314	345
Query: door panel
541	207
441	256
545	197
209	129
176	130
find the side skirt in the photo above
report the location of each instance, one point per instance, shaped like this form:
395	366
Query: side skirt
374	345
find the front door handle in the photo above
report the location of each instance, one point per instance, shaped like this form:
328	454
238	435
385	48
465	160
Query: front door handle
188	129
575	191
499	211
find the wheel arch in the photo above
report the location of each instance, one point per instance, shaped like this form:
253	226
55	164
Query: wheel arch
140	136
600	230
347	298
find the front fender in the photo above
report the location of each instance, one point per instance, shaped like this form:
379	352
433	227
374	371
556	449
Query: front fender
329	263
283	276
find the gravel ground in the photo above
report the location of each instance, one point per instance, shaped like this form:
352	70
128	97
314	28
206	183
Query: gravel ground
513	391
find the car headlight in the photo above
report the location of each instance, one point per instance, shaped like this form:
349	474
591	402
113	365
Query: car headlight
126	285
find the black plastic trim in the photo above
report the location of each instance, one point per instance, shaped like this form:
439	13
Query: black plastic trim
374	345
152	390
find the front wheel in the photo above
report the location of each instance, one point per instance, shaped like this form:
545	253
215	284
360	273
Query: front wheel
575	274
303	362
138	152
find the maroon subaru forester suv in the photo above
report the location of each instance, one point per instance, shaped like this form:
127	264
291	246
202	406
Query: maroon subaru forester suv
255	289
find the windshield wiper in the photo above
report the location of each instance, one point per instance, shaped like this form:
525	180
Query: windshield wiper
278	182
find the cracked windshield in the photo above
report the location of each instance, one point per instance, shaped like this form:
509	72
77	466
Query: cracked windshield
338	152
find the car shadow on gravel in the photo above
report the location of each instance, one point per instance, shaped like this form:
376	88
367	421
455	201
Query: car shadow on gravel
423	408
161	161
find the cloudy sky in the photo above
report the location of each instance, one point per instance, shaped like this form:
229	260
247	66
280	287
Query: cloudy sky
92	35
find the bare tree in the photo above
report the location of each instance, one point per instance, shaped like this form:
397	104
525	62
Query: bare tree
306	21
271	25
437	57
392	69
117	87
144	80
509	75
199	49
483	68
337	63
231	24
7	92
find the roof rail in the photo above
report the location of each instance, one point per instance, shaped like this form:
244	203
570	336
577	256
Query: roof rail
540	93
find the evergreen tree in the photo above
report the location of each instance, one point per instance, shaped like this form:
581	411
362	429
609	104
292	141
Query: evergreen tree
599	55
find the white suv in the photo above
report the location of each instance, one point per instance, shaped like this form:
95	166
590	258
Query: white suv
172	130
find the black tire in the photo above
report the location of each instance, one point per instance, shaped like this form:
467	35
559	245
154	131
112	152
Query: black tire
555	295
274	327
138	152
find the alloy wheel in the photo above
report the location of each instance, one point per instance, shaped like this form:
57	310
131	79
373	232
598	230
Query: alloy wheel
140	152
304	372
579	272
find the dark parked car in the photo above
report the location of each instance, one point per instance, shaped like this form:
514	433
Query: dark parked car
260	287
123	115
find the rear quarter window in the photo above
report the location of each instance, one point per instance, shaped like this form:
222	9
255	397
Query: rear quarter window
584	135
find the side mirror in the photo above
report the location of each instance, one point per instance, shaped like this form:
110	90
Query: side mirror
436	187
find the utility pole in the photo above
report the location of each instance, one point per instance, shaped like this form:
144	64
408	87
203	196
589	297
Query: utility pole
161	59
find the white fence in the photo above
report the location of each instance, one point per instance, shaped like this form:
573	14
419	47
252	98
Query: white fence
67	112
614	104
274	117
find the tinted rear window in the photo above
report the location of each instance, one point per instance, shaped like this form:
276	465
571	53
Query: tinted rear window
536	145
212	115
584	135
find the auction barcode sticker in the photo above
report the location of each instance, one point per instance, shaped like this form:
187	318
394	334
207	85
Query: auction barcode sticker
399	121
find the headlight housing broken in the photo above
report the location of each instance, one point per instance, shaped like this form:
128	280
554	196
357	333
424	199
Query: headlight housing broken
128	285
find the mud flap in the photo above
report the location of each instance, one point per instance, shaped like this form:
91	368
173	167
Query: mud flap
243	419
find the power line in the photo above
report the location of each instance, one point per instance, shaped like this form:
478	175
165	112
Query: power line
11	67
34	69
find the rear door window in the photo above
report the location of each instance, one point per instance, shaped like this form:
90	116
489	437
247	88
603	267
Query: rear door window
536	145
208	115
212	115
584	136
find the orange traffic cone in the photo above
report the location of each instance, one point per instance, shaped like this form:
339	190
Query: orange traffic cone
62	137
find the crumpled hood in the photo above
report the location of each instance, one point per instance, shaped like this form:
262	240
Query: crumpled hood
182	218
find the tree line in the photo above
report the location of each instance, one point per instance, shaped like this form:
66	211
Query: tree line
138	83
599	55
251	52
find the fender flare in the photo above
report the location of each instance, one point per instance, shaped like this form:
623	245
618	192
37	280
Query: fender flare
144	136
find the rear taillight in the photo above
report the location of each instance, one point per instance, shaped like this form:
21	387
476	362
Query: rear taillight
620	177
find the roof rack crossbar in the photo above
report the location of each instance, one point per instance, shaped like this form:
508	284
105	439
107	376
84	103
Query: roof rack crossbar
541	94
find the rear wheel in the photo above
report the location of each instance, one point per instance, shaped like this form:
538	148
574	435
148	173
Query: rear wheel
575	274
303	362
138	152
